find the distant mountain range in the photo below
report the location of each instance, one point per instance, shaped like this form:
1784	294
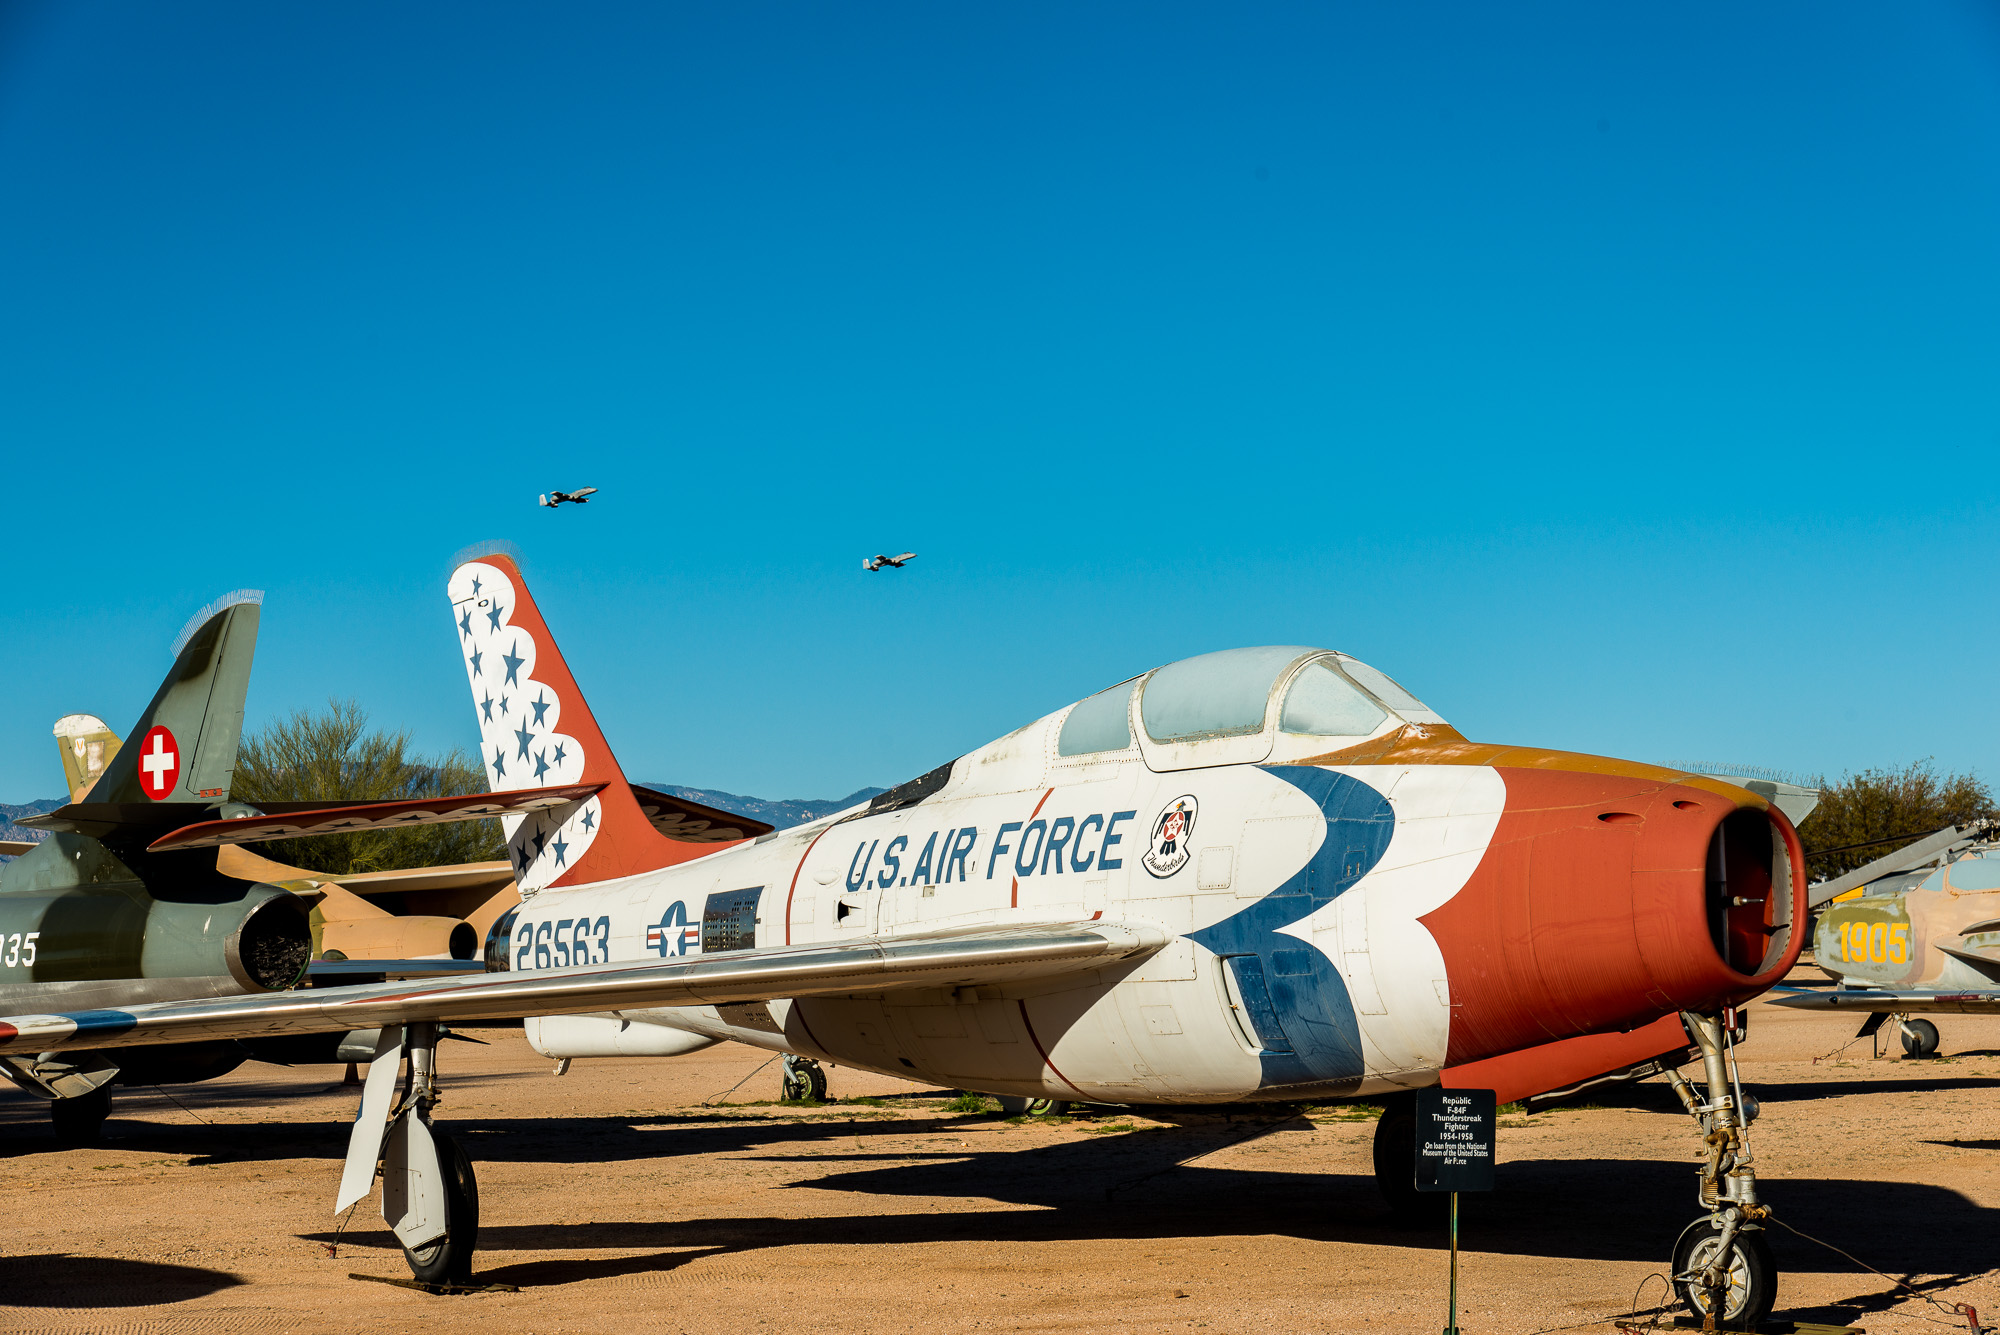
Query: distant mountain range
8	814
784	814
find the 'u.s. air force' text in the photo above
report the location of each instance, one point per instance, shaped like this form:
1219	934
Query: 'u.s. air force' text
1052	847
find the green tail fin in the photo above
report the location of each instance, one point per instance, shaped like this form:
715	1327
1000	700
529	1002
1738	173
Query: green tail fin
183	748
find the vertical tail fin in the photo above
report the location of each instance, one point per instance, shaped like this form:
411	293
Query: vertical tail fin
536	731
87	746
184	746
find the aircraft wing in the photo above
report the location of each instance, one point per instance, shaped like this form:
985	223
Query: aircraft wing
16	847
1029	952
1894	1001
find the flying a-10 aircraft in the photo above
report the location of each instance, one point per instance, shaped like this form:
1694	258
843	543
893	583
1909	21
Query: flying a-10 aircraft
880	562
581	496
1260	874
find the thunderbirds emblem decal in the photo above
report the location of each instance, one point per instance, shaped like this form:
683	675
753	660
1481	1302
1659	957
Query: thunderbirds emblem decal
1173	830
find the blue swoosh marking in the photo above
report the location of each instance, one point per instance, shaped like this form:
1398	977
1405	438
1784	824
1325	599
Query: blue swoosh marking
1309	994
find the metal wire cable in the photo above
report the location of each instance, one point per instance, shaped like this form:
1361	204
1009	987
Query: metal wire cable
333	1248
182	1106
710	1102
1956	1309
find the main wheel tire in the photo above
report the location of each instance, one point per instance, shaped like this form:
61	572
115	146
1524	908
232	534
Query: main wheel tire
1013	1105
1920	1038
1753	1275
448	1259
1395	1154
80	1120
804	1084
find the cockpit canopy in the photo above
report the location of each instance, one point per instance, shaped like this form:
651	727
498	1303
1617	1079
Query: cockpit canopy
1234	706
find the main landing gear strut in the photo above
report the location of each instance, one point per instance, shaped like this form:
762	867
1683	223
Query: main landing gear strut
1723	1272
430	1197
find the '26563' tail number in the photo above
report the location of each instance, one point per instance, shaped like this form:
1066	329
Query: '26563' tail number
562	943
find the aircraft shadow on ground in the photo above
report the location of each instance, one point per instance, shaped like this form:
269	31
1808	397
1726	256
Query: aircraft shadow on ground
1805	1091
1134	1185
1607	1210
58	1279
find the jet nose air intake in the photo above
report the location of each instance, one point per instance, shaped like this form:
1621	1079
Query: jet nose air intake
1605	901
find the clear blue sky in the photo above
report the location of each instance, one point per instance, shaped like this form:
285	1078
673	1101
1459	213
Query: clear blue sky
1623	378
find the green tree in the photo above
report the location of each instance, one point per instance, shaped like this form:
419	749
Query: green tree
335	756
1898	806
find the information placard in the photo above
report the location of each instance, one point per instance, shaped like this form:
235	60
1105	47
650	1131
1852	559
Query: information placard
1455	1139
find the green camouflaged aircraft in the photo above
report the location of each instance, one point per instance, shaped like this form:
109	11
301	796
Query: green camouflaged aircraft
89	918
139	893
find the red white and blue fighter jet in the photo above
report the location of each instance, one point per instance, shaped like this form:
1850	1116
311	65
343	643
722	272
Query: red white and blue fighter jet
1259	874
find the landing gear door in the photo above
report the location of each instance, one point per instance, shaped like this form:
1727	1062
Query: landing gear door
412	1182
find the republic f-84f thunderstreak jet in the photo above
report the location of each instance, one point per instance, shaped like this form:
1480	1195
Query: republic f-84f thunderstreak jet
1259	874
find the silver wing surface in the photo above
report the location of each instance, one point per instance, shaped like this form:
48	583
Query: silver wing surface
1015	954
1892	1001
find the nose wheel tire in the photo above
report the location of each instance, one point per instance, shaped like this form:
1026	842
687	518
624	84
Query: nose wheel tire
1752	1274
448	1259
1920	1038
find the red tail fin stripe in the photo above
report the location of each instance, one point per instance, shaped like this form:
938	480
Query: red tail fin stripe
536	730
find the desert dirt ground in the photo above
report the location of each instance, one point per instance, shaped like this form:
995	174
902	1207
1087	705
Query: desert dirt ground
636	1195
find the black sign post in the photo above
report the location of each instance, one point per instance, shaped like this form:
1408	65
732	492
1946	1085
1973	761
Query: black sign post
1454	1153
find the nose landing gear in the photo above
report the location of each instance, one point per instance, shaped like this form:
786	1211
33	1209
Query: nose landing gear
1722	1267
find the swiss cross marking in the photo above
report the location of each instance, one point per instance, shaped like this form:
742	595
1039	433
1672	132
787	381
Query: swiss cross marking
159	763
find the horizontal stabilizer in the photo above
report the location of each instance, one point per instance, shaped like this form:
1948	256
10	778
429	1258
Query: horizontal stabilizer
465	876
174	825
694	823
1016	954
333	973
296	820
1986	963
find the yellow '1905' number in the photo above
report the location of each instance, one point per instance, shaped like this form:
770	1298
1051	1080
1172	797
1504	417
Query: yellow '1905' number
1874	942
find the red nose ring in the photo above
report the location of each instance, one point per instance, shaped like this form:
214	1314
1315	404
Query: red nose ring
1605	902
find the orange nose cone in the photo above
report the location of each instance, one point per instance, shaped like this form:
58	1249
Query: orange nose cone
1605	902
